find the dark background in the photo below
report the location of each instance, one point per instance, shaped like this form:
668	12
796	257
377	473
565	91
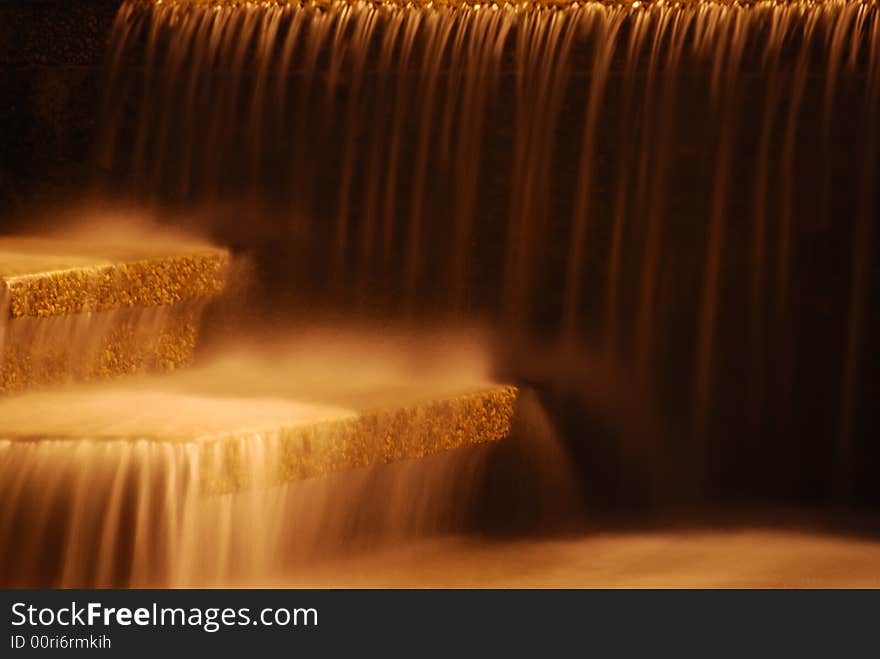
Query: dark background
51	65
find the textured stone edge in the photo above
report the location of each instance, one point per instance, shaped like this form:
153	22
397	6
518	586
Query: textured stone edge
240	460
370	438
147	282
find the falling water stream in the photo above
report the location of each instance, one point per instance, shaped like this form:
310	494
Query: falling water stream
376	135
640	189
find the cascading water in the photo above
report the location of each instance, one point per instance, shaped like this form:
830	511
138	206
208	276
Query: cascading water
629	178
674	201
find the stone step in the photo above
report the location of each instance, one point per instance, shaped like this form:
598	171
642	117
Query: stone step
232	442
80	309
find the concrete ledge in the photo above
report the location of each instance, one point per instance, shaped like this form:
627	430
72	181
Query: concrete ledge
369	438
51	278
79	311
230	444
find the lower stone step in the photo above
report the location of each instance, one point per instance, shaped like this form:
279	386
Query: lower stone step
229	444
